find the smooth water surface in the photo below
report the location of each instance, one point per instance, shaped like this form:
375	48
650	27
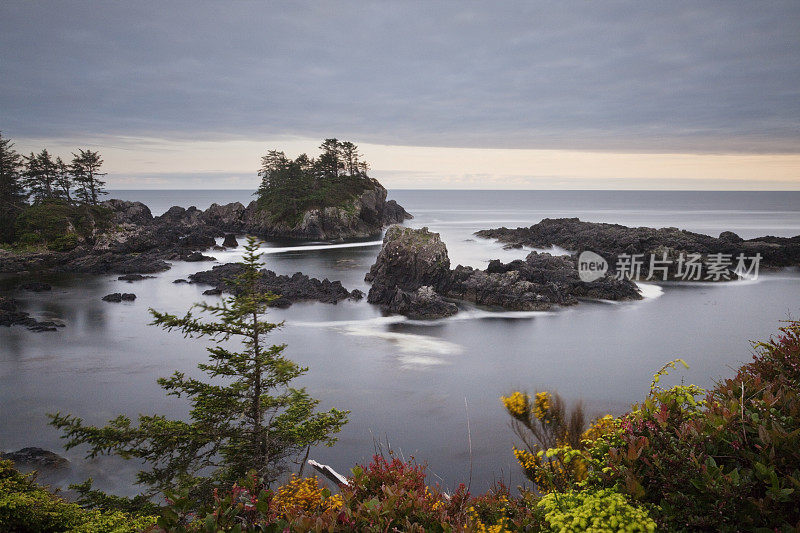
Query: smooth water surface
409	382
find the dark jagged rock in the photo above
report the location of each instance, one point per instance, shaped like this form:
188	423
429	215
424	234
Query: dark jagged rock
35	286
213	292
181	281
422	304
230	241
117	297
125	212
134	277
413	266
613	240
111	263
290	289
194	257
408	260
36	457
11	315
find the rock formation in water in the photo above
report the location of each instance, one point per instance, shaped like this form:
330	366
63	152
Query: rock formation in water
294	288
12	315
36	457
613	240
412	276
118	297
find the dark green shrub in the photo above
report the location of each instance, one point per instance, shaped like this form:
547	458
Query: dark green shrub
63	243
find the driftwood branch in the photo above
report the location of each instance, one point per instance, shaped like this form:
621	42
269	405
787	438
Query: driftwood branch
329	473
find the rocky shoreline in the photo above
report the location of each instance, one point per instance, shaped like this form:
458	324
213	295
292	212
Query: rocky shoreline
136	242
412	276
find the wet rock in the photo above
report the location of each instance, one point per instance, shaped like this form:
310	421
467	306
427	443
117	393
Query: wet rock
35	286
113	263
290	289
117	297
134	277
422	304
230	241
181	281
614	240
411	276
36	457
409	259
213	292
12	315
196	256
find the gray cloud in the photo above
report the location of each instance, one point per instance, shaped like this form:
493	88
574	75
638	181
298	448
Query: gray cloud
721	76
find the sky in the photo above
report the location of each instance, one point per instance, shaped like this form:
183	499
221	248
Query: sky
497	95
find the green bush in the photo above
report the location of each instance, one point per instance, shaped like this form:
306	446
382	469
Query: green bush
28	508
63	243
593	511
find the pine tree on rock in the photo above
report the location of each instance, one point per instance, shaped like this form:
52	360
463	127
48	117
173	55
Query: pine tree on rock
40	176
246	418
86	175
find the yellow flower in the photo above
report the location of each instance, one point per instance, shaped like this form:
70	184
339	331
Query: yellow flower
516	404
541	405
304	496
601	426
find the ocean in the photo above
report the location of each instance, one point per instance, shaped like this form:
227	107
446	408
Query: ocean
411	384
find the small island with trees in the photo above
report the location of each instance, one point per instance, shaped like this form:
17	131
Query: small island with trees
53	218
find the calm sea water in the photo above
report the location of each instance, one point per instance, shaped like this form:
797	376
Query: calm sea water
411	383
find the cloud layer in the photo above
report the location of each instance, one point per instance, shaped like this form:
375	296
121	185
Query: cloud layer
666	76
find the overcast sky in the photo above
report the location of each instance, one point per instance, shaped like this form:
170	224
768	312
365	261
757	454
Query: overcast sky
501	94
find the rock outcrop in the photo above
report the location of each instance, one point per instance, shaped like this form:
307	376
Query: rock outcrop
12	315
118	297
412	276
290	289
36	457
613	240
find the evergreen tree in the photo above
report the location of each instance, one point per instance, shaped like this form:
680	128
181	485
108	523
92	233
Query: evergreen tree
63	180
86	174
12	191
40	176
250	419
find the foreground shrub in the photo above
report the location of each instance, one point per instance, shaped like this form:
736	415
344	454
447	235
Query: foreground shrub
593	511
27	507
729	462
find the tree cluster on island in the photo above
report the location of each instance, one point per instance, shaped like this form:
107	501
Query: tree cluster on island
38	193
290	187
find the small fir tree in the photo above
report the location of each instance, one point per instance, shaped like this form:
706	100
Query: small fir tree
248	419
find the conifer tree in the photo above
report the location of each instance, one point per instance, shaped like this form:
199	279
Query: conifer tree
86	175
40	176
12	192
246	418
